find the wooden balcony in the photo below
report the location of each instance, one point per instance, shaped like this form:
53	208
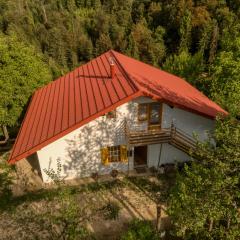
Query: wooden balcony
174	136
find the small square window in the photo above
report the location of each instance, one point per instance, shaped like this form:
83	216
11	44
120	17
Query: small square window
142	112
114	154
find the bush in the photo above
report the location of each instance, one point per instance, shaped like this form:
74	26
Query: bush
153	170
5	185
111	210
95	176
114	173
140	230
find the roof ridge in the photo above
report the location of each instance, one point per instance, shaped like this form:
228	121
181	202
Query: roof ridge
142	89
137	86
136	80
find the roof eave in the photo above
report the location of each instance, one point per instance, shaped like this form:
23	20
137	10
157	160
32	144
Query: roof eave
69	130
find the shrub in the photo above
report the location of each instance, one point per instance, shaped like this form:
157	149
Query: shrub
114	173
153	170
5	185
111	210
95	176
140	230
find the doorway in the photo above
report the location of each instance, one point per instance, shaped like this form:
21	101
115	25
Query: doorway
155	116
140	156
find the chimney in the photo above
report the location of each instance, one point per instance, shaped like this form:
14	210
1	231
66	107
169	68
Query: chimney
112	67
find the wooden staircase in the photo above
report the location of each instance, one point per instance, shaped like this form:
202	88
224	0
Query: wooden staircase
172	135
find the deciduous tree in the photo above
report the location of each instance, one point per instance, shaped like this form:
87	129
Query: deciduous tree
204	203
22	70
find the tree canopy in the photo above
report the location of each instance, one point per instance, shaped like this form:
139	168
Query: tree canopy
198	40
205	202
22	70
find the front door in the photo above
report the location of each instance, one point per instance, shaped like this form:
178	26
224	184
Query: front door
155	116
140	156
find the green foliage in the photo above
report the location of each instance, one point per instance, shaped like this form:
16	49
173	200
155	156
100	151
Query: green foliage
185	65
22	70
208	191
55	176
6	180
191	39
225	83
60	219
111	210
67	218
185	31
103	44
150	50
140	230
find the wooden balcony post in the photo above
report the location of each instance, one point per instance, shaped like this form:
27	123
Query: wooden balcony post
171	131
126	131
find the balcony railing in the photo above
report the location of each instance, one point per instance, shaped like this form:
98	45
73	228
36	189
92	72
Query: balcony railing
138	135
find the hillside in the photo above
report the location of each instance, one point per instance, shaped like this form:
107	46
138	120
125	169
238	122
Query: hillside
198	40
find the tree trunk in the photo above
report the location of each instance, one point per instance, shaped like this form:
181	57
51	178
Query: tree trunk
6	135
19	8
159	215
213	46
44	15
228	222
210	225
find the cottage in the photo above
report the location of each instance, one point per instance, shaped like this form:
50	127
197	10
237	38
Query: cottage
112	113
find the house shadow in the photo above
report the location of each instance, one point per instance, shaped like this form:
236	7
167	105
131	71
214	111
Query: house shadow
83	156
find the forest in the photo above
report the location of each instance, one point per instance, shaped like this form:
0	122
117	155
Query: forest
199	40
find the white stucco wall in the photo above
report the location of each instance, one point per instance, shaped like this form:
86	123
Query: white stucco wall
190	123
79	151
169	154
187	121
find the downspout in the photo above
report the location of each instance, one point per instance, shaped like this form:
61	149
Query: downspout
159	157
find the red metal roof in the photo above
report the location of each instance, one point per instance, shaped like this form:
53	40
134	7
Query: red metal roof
89	91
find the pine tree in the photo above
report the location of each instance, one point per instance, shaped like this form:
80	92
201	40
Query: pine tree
103	44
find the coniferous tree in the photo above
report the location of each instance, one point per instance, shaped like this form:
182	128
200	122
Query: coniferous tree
103	44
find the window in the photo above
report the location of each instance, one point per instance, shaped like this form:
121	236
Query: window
114	154
150	112
154	113
112	114
142	112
